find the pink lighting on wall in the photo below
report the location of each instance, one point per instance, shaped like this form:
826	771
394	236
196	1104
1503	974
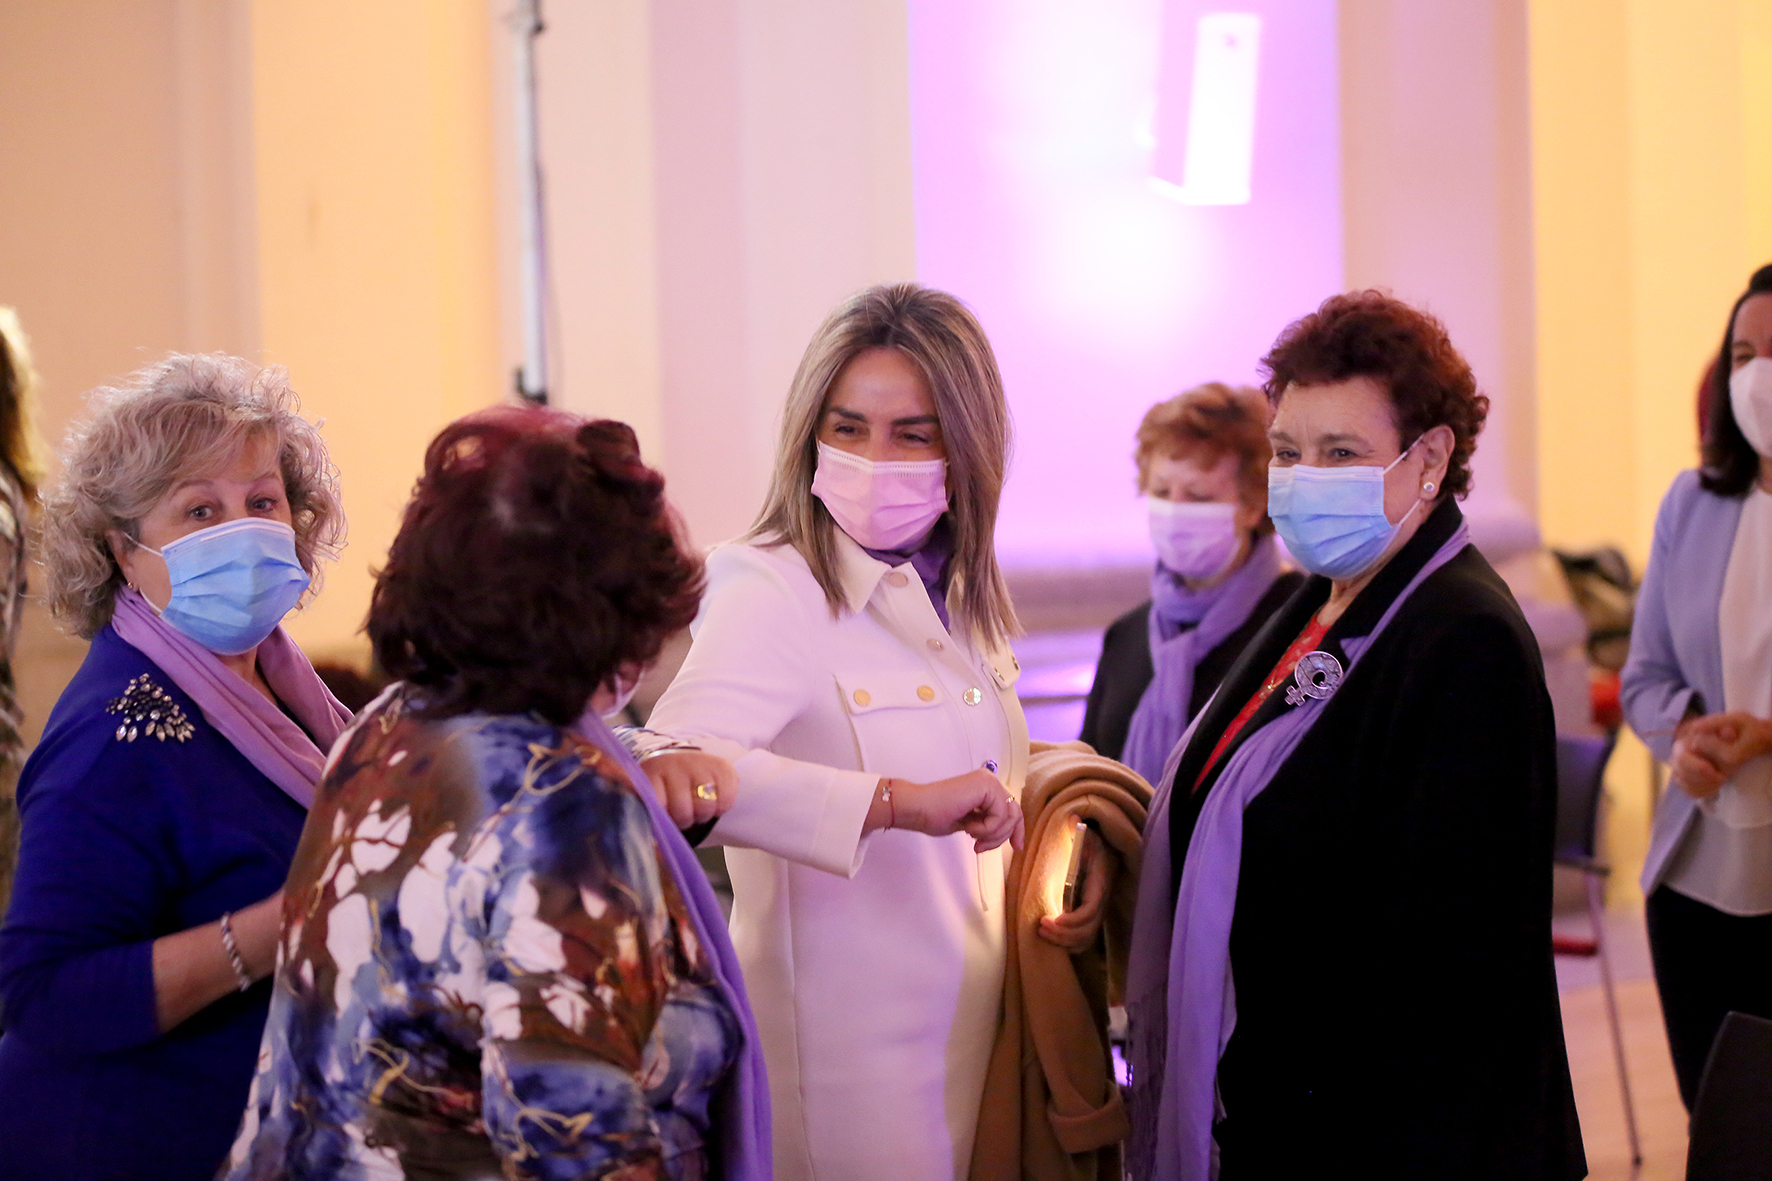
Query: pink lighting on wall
1220	115
1037	126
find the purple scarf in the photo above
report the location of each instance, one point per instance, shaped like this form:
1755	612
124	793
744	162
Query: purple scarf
742	1118
1162	712
1179	996
259	730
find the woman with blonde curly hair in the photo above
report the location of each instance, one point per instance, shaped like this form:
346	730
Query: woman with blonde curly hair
161	811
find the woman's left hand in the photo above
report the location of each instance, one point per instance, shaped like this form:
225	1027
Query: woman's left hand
693	786
1075	930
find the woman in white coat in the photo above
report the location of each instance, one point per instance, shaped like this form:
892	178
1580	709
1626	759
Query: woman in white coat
851	659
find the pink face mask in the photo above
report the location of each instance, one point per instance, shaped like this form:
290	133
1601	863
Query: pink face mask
888	506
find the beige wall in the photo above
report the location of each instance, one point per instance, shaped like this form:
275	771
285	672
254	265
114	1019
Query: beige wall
1652	167
378	251
126	223
720	173
125	231
783	180
1437	196
594	67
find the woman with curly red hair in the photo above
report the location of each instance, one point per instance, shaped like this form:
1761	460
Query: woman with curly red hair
1202	463
499	956
1341	958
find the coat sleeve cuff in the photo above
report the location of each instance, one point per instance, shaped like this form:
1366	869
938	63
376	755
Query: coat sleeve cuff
803	812
1660	736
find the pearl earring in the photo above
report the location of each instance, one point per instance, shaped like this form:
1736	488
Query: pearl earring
1428	487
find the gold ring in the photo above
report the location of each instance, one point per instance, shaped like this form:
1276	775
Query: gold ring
705	791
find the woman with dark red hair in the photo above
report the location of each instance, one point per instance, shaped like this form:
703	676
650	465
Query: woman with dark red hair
1341	959
499	956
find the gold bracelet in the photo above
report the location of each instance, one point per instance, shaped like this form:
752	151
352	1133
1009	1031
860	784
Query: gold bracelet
886	798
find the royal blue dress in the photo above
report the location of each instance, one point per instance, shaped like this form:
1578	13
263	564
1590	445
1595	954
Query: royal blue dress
125	840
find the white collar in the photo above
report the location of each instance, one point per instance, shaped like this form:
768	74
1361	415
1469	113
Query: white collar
858	572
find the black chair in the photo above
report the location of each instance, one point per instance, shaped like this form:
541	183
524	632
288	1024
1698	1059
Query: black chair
1732	1126
1581	775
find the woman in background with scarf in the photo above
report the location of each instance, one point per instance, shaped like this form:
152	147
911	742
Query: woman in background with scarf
1202	462
162	807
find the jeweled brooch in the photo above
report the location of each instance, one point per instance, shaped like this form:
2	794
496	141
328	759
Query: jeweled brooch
148	709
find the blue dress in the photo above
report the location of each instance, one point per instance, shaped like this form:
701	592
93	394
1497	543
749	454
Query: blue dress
487	970
125	841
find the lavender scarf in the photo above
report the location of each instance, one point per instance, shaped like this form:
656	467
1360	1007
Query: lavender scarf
259	730
742	1115
1179	995
1162	712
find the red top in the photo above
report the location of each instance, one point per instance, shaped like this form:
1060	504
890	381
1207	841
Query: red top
1307	641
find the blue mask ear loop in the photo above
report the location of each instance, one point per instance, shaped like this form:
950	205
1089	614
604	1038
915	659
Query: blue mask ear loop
1403	454
1393	463
140	544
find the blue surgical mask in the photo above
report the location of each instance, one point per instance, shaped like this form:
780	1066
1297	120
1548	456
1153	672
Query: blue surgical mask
232	584
1332	518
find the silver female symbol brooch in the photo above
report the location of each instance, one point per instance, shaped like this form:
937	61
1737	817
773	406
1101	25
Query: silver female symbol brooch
1318	675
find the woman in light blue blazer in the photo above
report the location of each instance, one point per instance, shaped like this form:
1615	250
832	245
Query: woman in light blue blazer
1698	690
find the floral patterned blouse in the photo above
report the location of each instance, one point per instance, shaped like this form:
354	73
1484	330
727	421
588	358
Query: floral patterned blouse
486	970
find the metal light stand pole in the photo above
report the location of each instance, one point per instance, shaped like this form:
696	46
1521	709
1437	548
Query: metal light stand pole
532	377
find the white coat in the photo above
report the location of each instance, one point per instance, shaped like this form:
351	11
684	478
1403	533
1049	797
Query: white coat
874	964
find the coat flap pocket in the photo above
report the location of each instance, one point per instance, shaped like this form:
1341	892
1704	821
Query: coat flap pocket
867	692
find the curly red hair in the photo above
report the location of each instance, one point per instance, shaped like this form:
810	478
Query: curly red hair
1405	350
537	557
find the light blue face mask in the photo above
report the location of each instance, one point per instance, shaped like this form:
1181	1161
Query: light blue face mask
1332	518
232	584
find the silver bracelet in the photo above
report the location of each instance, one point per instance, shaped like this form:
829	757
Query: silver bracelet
644	744
233	950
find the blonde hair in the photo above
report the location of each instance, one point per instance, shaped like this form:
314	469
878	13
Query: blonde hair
182	416
934	332
20	449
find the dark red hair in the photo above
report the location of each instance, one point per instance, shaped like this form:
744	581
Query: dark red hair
537	557
1405	350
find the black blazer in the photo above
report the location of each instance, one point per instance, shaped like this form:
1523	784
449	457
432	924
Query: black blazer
1391	945
1124	670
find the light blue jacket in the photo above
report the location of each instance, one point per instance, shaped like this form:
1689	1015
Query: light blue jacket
1676	647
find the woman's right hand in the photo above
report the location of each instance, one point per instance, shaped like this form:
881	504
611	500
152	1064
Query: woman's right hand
693	785
975	803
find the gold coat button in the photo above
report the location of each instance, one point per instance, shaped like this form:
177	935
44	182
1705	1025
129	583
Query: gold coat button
925	693
972	696
862	697
896	578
